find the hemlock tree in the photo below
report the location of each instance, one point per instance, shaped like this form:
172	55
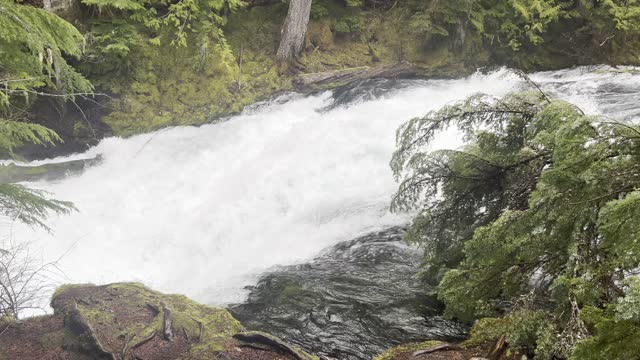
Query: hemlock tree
33	43
534	219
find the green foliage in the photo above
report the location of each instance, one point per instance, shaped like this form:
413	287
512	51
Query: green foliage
350	24
124	28
461	190
16	133
33	43
17	201
33	46
616	328
29	206
515	26
511	23
526	331
171	64
318	10
441	18
173	20
540	203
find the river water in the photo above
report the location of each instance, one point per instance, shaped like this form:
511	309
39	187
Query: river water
204	210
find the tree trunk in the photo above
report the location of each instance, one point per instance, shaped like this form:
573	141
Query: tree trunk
293	30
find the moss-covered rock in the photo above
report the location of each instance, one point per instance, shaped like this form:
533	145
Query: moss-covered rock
130	321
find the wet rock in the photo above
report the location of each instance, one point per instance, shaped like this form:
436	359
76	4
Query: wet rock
355	300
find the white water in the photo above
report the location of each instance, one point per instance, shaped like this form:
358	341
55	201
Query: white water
202	211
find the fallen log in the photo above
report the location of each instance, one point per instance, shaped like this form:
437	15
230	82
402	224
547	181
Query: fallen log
338	78
13	173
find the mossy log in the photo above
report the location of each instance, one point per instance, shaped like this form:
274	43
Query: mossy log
339	78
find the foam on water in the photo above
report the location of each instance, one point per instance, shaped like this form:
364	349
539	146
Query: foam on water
201	211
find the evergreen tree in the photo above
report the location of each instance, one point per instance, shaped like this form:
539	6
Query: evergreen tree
33	46
518	25
161	20
540	205
33	43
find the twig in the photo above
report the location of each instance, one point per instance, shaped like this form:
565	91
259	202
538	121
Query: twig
6	328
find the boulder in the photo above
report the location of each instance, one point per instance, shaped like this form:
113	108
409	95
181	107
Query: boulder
128	321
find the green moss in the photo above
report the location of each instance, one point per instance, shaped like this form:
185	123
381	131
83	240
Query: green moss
95	314
407	348
65	288
164	85
160	86
131	312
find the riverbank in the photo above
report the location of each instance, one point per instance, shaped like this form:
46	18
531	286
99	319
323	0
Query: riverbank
145	86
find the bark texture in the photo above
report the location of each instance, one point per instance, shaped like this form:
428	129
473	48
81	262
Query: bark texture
294	30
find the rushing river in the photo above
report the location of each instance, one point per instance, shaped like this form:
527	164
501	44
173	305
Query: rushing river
204	210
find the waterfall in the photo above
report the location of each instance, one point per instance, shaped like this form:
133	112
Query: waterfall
203	210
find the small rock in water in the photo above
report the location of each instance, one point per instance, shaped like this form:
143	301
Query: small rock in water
352	302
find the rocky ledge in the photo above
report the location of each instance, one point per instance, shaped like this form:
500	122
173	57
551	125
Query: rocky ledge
128	321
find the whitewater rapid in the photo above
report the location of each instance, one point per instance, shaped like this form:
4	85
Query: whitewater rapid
203	210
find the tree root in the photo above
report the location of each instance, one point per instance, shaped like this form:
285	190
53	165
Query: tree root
82	326
436	348
254	339
167	323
